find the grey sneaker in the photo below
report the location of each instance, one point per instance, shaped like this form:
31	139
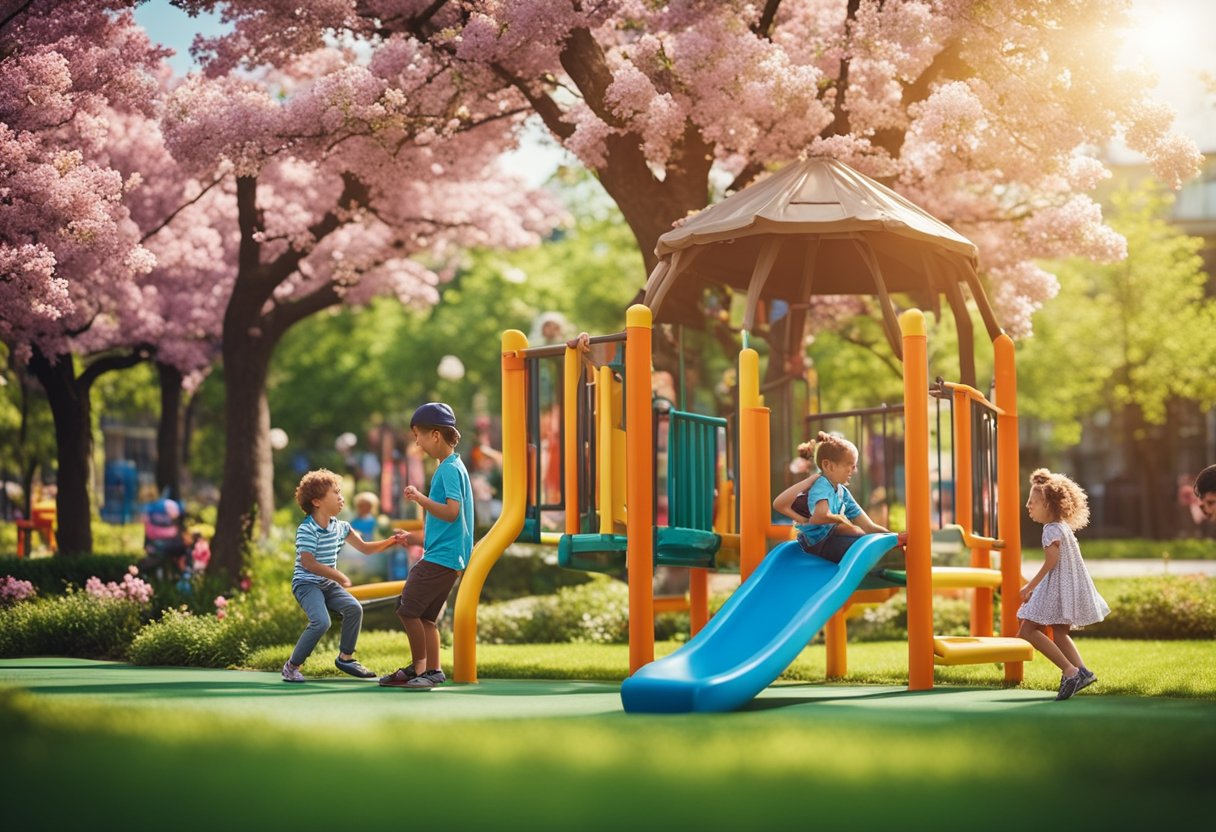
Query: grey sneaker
436	676
1087	679
291	673
353	667
1068	686
423	682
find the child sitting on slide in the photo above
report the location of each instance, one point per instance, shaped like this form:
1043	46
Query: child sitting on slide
827	517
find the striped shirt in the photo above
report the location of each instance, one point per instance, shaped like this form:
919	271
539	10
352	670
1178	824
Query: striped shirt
322	543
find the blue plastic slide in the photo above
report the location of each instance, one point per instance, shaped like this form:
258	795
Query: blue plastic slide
758	632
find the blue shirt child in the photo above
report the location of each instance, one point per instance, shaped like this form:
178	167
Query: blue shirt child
840	501
450	543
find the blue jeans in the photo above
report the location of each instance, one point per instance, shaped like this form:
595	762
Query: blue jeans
317	600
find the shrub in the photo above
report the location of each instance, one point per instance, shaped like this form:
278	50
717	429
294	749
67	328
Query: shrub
888	621
595	612
264	617
76	624
1165	607
180	638
525	570
53	575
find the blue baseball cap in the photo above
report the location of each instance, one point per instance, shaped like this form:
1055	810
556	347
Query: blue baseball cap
433	414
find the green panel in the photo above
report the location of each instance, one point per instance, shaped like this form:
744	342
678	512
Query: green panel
686	547
592	552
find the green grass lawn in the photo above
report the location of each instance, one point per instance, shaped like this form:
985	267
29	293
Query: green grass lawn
1126	668
209	749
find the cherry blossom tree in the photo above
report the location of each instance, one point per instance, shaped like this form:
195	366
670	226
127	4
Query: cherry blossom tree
70	254
349	180
989	113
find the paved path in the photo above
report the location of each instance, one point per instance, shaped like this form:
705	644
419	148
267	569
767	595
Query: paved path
1132	568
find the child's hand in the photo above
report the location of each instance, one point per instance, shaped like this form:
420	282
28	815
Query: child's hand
343	580
1025	592
401	537
412	494
901	539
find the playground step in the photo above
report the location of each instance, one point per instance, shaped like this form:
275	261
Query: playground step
977	650
955	577
944	577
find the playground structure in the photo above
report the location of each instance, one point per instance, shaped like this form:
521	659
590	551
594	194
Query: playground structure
808	229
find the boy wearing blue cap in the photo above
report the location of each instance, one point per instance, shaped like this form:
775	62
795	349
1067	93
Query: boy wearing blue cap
447	545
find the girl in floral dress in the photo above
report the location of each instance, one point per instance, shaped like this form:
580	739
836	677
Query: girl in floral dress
1061	595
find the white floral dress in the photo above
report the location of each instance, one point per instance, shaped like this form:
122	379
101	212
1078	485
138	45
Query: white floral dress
1066	595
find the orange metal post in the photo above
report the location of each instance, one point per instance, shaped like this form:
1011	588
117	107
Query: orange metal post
509	523
698	599
639	494
573	375
1009	492
836	639
919	521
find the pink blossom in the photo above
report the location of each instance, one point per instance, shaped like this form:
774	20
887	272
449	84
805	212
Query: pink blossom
13	591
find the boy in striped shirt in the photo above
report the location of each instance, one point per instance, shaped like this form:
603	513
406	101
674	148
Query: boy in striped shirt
317	583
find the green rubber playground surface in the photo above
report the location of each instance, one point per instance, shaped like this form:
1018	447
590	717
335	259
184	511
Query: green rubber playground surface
155	748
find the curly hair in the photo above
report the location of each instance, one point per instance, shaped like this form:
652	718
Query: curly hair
1205	483
313	486
826	447
1065	499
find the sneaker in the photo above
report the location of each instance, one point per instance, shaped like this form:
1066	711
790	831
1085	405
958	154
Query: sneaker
398	678
353	667
436	676
291	673
1087	679
423	682
1068	686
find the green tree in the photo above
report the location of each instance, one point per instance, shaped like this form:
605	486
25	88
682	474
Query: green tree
1134	338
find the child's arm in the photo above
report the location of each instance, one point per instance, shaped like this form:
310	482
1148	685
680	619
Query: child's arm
310	564
822	516
1051	556
372	547
447	512
863	522
785	500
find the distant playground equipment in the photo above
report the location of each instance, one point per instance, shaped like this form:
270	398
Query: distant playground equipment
816	227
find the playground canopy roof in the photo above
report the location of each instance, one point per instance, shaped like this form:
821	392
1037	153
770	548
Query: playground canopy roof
816	227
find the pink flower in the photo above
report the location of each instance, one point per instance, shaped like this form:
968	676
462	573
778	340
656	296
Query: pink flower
221	602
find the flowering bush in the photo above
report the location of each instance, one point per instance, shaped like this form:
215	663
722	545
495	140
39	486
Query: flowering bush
75	624
130	589
13	591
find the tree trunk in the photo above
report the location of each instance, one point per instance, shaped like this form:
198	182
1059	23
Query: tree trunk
69	402
169	431
247	478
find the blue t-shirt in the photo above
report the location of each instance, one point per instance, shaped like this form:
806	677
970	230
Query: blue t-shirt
450	544
324	545
840	501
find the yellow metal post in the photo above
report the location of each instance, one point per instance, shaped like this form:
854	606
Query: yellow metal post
919	520
573	367
508	525
607	462
639	451
1009	492
754	503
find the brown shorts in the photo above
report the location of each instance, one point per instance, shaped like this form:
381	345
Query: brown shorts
426	591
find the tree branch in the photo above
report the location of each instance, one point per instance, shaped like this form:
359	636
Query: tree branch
181	208
764	27
15	12
114	361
